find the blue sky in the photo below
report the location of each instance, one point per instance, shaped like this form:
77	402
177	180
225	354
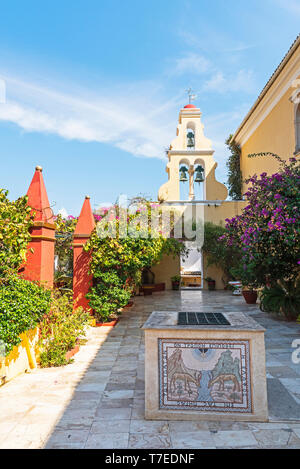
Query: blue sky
94	87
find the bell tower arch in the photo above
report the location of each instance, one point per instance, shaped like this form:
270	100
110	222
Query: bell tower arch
193	151
195	197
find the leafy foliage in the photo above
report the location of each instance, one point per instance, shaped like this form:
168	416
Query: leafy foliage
234	173
282	299
15	222
60	330
108	295
268	231
218	252
22	306
63	248
176	278
117	262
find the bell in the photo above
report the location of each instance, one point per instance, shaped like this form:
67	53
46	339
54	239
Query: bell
183	176
190	140
199	174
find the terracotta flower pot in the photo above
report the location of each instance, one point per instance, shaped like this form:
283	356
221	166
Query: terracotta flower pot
129	304
250	296
148	289
107	324
72	352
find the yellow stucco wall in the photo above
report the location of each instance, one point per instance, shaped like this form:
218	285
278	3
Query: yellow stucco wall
227	209
215	273
167	268
275	134
21	359
218	215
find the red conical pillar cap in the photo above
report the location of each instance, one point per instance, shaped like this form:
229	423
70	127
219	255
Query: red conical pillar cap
40	251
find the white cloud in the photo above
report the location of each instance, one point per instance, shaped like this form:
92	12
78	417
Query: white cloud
212	74
214	40
133	124
136	119
242	81
192	63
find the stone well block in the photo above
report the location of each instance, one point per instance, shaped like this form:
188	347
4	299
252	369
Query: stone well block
208	372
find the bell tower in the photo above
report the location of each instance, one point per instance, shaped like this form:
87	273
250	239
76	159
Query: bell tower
191	160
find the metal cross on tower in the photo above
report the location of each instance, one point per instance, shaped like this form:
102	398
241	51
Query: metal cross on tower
191	95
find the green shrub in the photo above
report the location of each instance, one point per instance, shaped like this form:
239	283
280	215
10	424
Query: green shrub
176	278
22	306
108	295
60	330
218	252
63	248
118	261
15	221
282	299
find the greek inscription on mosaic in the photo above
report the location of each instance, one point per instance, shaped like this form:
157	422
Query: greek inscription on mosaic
209	375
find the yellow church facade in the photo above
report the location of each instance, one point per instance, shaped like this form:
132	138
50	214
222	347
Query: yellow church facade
273	122
191	187
271	125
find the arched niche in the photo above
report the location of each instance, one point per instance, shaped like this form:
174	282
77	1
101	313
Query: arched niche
184	186
190	136
200	188
185	161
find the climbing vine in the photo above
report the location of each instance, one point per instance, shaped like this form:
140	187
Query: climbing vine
15	222
234	173
65	228
118	261
218	252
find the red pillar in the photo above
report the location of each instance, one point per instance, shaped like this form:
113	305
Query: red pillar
40	252
81	278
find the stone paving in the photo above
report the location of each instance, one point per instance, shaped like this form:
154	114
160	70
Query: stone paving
98	401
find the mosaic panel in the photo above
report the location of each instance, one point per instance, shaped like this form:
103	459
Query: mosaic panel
204	375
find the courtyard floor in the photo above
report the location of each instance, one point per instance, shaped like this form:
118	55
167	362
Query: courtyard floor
98	401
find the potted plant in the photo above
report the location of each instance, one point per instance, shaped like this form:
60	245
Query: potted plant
250	295
129	304
248	280
282	299
148	289
175	282
211	283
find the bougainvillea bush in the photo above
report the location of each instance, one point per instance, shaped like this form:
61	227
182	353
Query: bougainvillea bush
118	261
268	231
